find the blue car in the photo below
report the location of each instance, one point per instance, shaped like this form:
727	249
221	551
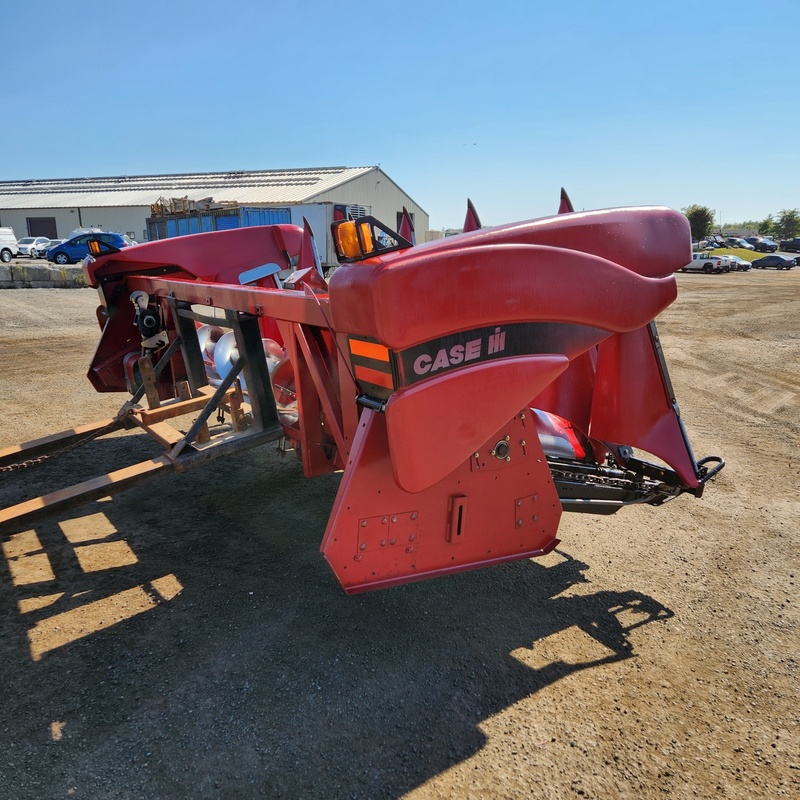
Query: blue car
77	248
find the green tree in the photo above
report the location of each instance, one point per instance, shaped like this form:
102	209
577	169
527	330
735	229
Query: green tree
787	226
701	220
748	224
766	225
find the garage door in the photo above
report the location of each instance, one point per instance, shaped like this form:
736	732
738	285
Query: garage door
42	226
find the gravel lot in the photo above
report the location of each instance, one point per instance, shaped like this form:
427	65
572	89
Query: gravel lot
187	640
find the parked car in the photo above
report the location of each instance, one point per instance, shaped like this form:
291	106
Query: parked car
28	242
762	244
791	245
707	262
8	245
742	244
777	261
40	251
77	248
739	264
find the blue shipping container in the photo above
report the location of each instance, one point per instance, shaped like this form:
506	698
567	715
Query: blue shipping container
264	216
180	225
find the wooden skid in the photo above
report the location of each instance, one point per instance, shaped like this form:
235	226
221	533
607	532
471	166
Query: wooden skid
85	492
21	514
56	441
182	452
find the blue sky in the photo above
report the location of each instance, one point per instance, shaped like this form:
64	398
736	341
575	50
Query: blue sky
622	103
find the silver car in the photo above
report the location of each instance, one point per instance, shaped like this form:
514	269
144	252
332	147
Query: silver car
27	244
41	250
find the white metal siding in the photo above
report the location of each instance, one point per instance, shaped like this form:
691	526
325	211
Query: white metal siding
17	219
120	220
387	199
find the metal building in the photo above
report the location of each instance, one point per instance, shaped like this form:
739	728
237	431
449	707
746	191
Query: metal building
155	206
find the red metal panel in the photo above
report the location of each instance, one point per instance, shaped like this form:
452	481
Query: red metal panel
220	256
570	394
435	425
413	296
119	338
651	241
380	535
631	406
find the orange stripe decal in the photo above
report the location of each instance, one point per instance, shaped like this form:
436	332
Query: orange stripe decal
369	350
374	376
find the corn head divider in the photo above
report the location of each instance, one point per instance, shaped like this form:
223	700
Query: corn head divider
469	389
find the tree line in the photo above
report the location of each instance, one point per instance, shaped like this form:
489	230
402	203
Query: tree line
785	226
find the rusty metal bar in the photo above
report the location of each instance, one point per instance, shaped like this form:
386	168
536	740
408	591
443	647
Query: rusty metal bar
323	383
211	405
190	346
157	368
284	304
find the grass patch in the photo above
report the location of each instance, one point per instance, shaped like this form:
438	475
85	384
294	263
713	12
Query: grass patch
747	255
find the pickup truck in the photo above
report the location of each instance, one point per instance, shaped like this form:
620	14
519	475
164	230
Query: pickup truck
707	262
791	245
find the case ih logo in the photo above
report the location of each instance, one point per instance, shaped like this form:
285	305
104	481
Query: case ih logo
472	350
467	348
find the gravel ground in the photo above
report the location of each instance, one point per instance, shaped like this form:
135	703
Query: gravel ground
186	638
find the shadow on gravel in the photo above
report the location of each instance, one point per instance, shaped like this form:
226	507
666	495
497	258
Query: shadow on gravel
186	639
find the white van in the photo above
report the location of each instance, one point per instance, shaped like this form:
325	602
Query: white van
8	245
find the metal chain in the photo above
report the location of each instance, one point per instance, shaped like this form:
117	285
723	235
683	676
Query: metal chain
603	480
63	451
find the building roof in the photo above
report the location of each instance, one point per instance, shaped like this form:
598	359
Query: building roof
258	186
